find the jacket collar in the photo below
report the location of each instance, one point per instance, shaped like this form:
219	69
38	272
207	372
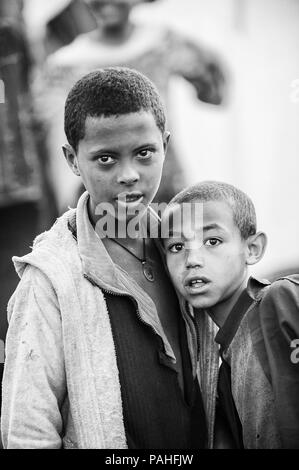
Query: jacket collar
100	270
94	256
255	287
250	296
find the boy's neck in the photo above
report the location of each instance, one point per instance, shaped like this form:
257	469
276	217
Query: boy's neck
119	233
221	311
117	35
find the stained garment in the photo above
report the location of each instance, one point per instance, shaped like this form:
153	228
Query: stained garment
256	342
61	385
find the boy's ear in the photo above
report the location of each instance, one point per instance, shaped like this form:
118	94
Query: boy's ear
71	158
166	138
256	246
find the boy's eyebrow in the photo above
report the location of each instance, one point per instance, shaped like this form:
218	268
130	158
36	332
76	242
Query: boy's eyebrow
173	234
115	151
211	227
95	152
152	143
178	234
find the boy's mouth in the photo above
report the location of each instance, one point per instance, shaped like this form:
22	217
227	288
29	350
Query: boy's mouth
130	198
196	284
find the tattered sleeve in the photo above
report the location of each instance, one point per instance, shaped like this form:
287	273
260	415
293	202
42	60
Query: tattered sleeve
34	384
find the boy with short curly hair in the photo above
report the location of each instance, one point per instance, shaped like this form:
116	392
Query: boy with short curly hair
251	400
97	352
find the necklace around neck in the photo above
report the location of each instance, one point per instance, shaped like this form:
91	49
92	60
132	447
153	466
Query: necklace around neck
146	266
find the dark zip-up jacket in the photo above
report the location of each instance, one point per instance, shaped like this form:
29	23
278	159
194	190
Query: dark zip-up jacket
258	341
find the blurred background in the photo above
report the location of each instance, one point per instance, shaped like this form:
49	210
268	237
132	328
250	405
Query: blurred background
228	71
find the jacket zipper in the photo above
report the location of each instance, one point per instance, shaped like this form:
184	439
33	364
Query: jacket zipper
196	336
197	344
123	295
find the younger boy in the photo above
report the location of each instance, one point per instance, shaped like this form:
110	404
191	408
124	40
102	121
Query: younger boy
249	326
97	352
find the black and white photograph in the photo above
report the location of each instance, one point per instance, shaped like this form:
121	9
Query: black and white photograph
149	228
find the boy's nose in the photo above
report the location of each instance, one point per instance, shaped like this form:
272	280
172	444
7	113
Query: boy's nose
194	258
128	175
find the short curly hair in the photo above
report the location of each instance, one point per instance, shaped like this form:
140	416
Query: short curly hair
242	207
107	92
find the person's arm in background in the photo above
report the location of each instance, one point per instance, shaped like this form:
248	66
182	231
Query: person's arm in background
199	67
34	384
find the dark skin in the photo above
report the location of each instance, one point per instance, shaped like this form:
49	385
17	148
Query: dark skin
122	154
113	20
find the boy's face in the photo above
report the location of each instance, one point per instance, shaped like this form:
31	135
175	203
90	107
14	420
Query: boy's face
207	262
111	13
120	160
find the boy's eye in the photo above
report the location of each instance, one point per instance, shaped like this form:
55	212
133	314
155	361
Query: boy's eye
175	248
212	242
106	160
145	154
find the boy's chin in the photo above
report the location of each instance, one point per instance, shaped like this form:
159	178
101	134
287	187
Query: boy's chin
200	303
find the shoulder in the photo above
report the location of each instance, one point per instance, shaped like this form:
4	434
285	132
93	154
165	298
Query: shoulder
280	304
34	282
159	34
283	289
71	54
34	293
52	250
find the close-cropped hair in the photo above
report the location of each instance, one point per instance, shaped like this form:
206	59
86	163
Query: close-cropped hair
242	207
110	91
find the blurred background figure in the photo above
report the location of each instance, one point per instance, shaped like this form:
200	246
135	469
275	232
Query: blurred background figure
253	142
25	208
118	39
